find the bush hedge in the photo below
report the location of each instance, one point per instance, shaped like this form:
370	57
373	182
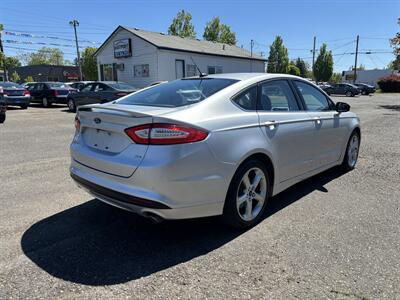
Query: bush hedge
390	84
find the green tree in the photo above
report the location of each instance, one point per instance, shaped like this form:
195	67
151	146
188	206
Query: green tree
215	31
278	59
293	70
15	77
29	79
182	25
395	43
336	78
323	66
44	56
303	67
89	64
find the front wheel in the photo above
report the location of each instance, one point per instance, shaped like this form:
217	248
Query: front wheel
349	94
71	105
24	106
46	102
247	195
351	156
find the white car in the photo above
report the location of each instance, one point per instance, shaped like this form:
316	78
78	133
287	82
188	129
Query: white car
213	145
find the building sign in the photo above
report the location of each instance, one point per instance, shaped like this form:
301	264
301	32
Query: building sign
122	48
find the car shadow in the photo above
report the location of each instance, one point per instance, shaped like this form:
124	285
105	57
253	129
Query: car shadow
97	244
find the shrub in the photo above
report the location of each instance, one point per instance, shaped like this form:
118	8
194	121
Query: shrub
390	84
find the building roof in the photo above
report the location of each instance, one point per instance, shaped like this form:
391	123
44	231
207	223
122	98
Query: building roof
171	42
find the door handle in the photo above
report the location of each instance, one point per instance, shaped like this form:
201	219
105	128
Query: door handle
317	120
270	124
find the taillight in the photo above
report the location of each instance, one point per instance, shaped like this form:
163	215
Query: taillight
120	94
26	93
165	134
55	93
77	124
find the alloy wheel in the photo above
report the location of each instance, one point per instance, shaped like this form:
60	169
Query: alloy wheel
352	152
251	194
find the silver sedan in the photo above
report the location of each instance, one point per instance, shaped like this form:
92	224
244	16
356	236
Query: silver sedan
214	145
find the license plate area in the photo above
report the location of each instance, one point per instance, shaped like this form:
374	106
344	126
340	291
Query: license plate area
104	140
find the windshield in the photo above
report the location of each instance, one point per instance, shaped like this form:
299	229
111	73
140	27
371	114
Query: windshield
122	86
11	85
178	93
57	85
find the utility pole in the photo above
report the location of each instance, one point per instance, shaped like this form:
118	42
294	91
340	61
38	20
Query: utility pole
251	55
75	23
4	60
313	53
355	61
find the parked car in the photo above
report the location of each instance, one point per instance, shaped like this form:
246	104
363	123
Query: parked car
78	84
48	93
15	94
3	107
99	92
165	154
28	84
341	89
365	89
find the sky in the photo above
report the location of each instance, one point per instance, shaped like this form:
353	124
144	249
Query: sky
335	22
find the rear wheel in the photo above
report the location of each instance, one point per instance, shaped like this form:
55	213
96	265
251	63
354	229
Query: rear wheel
46	102
351	156
25	106
71	105
247	195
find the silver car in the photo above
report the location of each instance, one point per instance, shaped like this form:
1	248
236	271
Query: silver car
214	145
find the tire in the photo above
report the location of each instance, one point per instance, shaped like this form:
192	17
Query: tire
351	156
2	118
25	106
349	94
364	93
71	105
45	102
245	204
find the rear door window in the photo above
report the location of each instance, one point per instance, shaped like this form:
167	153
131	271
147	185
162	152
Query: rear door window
277	96
177	93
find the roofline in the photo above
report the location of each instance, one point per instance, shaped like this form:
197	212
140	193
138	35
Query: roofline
172	49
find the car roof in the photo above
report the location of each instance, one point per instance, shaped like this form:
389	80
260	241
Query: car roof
246	76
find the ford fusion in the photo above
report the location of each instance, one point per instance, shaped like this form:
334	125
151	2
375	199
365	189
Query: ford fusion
213	145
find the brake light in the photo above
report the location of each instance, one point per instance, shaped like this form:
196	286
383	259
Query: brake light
120	94
55	93
77	124
165	134
26	93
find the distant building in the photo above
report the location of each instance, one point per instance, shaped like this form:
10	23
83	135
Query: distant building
47	73
367	76
140	57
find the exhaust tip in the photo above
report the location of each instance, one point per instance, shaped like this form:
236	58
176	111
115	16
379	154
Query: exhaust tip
156	219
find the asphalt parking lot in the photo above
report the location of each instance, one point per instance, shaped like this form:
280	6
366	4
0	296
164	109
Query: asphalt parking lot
334	236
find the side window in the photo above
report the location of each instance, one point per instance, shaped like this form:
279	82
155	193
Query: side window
277	96
314	99
247	99
87	88
39	87
100	87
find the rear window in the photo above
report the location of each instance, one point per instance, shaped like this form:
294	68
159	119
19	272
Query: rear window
122	86
57	85
178	93
11	85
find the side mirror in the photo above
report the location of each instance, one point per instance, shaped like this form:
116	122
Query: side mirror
342	107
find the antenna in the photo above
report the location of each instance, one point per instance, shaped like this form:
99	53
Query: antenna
198	69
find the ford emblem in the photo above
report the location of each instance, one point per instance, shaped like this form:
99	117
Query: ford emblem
97	120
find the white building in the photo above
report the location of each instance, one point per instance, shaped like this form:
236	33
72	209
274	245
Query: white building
367	76
140	57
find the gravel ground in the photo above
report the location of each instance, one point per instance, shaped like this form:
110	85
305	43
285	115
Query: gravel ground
334	236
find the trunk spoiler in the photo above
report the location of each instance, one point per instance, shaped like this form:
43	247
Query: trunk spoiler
112	108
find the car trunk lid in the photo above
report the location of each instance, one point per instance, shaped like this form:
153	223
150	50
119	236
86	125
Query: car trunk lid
103	143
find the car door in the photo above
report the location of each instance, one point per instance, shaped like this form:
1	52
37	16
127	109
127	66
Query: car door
33	91
104	93
287	127
84	96
329	129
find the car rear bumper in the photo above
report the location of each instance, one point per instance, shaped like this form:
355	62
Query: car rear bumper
170	183
17	100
